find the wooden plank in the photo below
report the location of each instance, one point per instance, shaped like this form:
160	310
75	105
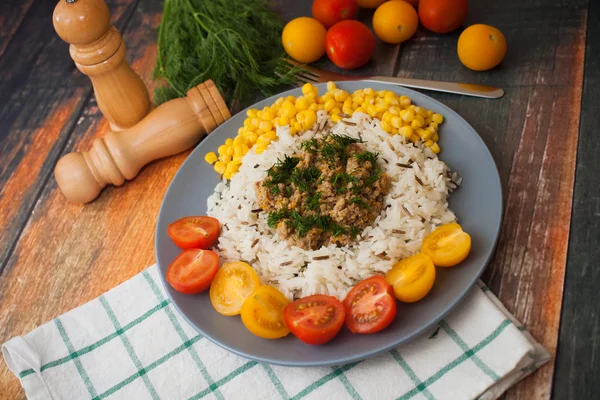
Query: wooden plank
41	97
577	365
11	16
532	134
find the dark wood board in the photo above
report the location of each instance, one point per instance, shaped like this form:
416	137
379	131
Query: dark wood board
578	359
532	133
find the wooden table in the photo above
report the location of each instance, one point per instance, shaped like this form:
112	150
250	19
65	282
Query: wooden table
55	256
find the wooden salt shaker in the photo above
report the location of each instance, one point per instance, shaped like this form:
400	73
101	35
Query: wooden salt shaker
171	128
99	52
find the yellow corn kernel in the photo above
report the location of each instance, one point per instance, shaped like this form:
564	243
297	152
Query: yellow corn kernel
271	135
408	116
425	134
387	117
335	110
225	158
283	120
428	121
430	113
280	101
291	99
406	131
310	118
211	157
336	118
298	126
232	167
415	124
315	92
428	143
289	111
241	130
435	137
386	126
251	138
434	126
395	131
329	104
222	149
239	140
247	121
394	110
302	104
348	110
256	122
229	141
265	126
268	115
263	140
340	96
369	92
419	111
260	149
420	119
319	107
437	118
379	115
381	107
230	150
370	99
293	130
435	148
360	110
372	110
313	107
306	88
251	113
396	122
365	104
219	167
415	138
358	98
300	117
331	86
259	114
405	101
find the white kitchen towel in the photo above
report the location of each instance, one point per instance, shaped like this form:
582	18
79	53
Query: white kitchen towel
131	343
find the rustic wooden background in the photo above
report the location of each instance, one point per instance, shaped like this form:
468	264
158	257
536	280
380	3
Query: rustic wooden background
55	256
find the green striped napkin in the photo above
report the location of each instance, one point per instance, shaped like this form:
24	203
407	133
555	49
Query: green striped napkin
130	343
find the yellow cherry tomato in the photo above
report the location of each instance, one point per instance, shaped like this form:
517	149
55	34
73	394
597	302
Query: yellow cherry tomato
447	246
481	47
412	278
304	39
370	3
395	21
231	286
262	313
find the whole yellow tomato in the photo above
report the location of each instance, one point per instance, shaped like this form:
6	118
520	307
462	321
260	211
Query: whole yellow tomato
304	39
370	3
481	47
395	21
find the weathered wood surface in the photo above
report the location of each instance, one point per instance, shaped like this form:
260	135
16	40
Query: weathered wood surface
55	256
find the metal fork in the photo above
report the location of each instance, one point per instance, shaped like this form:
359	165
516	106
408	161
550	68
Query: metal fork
315	75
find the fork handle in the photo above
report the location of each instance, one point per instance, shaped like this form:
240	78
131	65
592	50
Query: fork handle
467	89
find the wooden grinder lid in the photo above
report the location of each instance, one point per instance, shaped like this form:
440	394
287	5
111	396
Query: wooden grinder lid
81	22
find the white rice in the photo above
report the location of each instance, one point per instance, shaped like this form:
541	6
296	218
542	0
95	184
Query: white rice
411	211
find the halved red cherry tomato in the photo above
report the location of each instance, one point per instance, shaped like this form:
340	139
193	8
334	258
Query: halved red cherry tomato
370	306
193	271
315	319
194	232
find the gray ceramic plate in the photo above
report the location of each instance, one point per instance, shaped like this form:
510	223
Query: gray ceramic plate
477	203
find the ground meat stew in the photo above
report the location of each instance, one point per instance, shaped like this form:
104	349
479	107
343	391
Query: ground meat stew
326	194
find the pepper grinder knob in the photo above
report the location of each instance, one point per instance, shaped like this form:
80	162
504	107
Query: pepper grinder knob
99	52
171	128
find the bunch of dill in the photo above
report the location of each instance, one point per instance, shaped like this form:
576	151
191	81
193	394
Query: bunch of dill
235	43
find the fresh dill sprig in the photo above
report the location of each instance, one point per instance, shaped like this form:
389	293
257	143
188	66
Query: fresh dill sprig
281	173
367	156
235	43
310	146
313	202
373	178
359	202
275	217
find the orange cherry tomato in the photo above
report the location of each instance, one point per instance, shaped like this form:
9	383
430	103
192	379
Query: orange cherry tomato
443	16
412	278
349	44
330	12
194	232
232	285
370	306
262	313
447	246
481	47
395	22
193	271
315	319
303	39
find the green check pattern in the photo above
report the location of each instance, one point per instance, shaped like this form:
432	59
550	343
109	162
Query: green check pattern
131	343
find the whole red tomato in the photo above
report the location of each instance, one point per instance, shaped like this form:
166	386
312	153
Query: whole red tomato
330	12
443	16
349	44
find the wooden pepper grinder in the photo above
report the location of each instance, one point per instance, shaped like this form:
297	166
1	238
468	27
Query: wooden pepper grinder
99	52
171	128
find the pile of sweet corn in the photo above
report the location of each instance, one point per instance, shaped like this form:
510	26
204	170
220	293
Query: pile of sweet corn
397	114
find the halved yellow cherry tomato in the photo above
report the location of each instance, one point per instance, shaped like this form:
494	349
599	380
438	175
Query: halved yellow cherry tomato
412	278
447	246
262	313
231	286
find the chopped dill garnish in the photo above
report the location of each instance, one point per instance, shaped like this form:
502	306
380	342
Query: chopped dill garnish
313	202
334	147
276	216
374	177
281	173
304	178
310	146
359	202
367	156
337	230
354	231
341	180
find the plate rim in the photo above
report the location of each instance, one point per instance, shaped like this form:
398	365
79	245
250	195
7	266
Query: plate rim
367	354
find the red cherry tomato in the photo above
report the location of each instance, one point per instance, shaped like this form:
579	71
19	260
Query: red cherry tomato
349	44
370	305
193	271
329	12
315	319
194	232
443	16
